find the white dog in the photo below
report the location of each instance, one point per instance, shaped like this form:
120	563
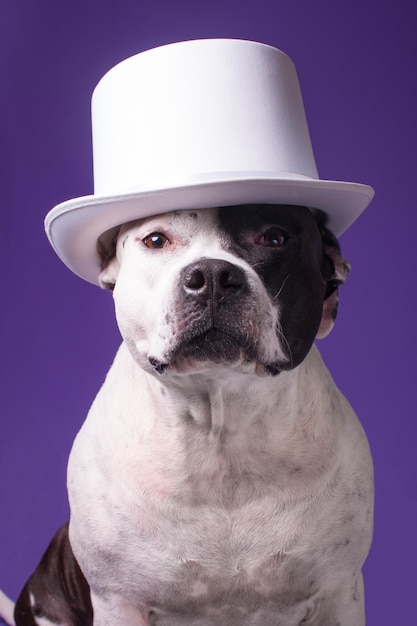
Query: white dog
220	477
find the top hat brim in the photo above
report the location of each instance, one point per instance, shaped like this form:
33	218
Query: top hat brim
74	227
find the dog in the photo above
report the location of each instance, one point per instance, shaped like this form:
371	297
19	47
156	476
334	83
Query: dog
220	478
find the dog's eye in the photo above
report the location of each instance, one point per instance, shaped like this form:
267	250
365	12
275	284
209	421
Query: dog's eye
273	238
156	241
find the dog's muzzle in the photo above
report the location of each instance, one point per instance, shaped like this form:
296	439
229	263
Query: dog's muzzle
214	316
211	296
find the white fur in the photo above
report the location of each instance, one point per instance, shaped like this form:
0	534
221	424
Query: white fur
6	609
43	621
189	486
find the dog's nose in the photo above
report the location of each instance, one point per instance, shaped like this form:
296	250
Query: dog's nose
213	278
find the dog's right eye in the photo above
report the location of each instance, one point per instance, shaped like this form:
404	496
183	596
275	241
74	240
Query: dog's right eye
156	241
273	238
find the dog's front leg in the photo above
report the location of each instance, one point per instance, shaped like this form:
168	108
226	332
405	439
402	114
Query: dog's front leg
57	592
110	610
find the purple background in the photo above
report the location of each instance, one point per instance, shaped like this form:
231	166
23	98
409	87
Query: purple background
357	67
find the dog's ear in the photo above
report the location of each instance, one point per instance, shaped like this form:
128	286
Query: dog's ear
108	275
106	246
335	271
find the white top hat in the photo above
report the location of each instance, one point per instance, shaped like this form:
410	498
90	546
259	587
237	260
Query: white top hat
196	124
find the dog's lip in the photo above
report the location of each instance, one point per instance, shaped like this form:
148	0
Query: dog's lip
185	365
159	366
181	358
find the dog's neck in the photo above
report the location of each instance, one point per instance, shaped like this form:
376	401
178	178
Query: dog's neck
217	401
201	433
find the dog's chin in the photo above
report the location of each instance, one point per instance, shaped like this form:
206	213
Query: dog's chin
215	350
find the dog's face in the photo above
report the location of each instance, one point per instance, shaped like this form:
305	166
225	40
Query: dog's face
249	287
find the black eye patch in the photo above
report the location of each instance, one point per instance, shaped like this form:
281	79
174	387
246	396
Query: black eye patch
238	222
244	228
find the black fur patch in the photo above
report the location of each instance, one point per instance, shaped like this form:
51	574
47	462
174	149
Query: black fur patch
292	272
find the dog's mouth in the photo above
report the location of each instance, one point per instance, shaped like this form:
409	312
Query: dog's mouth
215	347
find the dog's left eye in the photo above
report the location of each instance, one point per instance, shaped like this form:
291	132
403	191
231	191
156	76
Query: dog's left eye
156	241
273	238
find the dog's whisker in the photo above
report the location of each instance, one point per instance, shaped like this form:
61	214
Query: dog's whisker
282	287
280	332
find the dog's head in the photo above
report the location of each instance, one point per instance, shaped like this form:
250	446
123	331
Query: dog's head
249	287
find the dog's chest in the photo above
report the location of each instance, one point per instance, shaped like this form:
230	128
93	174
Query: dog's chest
198	542
232	581
204	561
